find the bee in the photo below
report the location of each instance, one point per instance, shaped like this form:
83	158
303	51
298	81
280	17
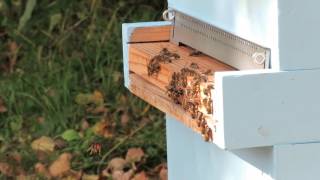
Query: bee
209	106
154	66
95	148
208	136
208	72
165	56
203	126
195	53
194	66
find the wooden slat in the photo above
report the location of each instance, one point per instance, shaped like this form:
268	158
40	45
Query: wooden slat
153	88
158	98
151	34
140	54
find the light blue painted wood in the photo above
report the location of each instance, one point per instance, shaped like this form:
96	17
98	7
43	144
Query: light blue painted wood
127	30
299	32
262	108
297	162
190	158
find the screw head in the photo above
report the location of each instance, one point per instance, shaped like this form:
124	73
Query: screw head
259	58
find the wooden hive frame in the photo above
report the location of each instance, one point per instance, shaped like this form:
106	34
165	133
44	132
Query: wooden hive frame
144	44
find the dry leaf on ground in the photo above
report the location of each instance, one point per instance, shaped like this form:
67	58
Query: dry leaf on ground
140	176
103	128
163	174
90	177
44	143
60	166
13	47
134	155
95	98
116	164
3	108
15	156
6	169
41	170
120	175
84	124
125	119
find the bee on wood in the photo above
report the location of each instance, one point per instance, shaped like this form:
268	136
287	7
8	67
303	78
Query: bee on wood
203	126
209	106
208	136
154	66
194	66
165	56
195	53
94	149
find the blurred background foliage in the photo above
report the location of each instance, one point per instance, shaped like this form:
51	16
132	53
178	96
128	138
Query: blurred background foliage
61	78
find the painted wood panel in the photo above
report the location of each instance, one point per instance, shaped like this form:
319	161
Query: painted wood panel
299	27
189	158
261	108
297	161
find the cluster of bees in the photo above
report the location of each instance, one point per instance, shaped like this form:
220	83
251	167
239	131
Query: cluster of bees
165	56
191	89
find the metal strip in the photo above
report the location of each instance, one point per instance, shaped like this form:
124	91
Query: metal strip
224	46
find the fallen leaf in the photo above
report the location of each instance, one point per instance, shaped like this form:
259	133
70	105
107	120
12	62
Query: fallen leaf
90	177
40	120
116	164
103	128
84	124
95	98
120	175
134	155
140	176
83	99
13	47
74	175
42	156
16	157
98	110
100	127
23	177
41	169
6	169
3	108
124	119
60	166
70	135
44	143
163	173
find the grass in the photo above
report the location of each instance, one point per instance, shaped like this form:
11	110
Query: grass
67	48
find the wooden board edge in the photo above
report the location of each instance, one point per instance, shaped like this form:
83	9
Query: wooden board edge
158	98
151	34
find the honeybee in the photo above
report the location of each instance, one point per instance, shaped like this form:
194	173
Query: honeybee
208	136
194	66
